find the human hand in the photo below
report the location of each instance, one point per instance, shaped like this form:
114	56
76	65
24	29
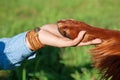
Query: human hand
52	33
57	40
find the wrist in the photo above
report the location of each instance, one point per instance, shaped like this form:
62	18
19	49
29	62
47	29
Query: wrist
32	39
28	44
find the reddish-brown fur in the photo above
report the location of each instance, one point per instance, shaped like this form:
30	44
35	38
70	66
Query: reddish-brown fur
106	56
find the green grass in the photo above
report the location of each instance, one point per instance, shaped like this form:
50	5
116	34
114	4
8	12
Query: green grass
51	63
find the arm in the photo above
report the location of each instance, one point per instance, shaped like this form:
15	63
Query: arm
16	49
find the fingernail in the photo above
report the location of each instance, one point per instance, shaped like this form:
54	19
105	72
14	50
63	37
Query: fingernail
83	31
97	40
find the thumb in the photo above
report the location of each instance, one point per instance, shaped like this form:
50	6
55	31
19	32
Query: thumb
95	41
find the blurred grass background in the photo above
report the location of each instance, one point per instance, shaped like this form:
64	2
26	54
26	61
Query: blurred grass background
52	63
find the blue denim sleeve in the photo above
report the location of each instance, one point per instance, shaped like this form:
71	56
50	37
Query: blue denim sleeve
13	51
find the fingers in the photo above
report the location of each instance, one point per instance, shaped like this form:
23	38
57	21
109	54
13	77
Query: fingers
95	41
76	40
79	37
